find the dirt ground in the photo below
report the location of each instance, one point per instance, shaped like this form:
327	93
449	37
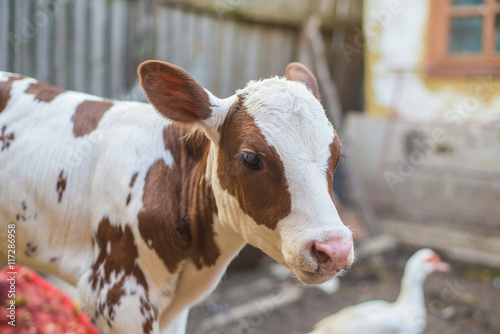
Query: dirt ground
464	300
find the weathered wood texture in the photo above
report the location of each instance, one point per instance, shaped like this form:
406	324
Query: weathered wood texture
95	46
335	14
457	244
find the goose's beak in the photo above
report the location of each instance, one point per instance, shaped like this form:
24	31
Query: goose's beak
442	266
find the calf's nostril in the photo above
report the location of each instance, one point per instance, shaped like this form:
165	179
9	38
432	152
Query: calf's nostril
320	256
333	254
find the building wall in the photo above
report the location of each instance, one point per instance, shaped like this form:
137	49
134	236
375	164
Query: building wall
427	148
396	34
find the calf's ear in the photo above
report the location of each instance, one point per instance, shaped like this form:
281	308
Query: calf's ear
299	72
174	93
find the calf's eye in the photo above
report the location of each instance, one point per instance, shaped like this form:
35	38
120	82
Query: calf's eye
251	161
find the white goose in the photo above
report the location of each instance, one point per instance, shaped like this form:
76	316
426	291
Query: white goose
407	315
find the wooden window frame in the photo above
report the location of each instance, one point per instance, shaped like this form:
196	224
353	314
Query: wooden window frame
440	62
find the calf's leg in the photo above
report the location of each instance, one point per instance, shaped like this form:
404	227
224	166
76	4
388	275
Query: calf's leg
178	326
121	307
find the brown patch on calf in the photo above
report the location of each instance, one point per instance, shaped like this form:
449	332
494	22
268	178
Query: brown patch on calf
5	88
22	216
61	186
121	258
132	181
198	205
131	185
159	222
333	161
88	115
178	204
262	194
43	92
30	249
202	207
150	314
6	138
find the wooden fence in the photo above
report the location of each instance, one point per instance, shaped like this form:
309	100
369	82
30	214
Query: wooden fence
95	46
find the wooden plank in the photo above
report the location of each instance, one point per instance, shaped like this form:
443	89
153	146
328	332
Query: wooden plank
23	33
276	40
162	30
189	38
285	51
238	80
97	33
167	35
146	28
178	38
207	50
52	65
375	245
107	60
118	47
4	36
80	45
42	42
262	305
264	67
460	245
197	63
289	14
70	45
131	77
235	58
216	60
227	47
291	45
30	46
213	59
60	45
251	54
139	32
141	40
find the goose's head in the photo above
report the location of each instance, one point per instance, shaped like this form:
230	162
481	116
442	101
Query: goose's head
425	262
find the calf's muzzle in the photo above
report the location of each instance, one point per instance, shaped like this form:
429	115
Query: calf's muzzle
333	254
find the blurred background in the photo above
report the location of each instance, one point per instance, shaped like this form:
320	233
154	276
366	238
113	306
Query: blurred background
412	87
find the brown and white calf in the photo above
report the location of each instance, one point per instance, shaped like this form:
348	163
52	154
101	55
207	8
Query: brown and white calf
143	206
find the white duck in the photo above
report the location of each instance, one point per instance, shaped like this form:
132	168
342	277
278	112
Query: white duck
406	315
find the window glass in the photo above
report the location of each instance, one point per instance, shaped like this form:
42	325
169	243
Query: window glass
468	2
465	35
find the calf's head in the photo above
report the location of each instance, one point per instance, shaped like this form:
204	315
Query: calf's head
271	163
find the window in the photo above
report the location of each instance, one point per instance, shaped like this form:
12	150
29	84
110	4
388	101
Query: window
464	37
